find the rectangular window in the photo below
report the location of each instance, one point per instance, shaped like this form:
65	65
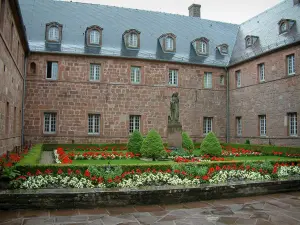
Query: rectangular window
262	125
239	126
49	123
135	74
238	78
207	125
7	119
52	70
2	13
207	80
173	77
134	123
222	80
15	120
293	124
12	35
291	64
261	72
95	72
94	124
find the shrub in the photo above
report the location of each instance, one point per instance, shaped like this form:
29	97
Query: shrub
211	145
135	142
152	146
247	142
187	142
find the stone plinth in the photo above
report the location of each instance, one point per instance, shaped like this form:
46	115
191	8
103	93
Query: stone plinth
174	135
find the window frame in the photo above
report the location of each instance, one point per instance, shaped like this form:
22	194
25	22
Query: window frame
166	43
261	72
93	72
172	77
281	31
222	80
239	127
88	32
94	37
52	116
134	74
59	28
208	85
51	71
207	122
262	125
96	118
293	71
293	129
133	121
238	79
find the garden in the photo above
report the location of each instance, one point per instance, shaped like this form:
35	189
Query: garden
147	161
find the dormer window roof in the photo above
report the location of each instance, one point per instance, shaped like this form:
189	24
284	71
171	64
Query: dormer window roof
53	32
201	46
93	36
250	40
223	49
285	25
132	39
168	42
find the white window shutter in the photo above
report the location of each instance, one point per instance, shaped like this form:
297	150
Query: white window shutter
54	70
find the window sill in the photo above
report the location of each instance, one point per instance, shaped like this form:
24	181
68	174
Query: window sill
92	134
50	134
291	74
262	81
135	83
173	85
94	81
50	79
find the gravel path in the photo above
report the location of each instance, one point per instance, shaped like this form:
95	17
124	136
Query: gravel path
47	157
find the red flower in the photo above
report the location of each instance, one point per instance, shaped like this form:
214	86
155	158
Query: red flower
28	174
78	172
205	177
38	172
109	180
87	173
59	171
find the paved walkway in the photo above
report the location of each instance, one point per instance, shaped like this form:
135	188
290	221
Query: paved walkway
281	209
47	157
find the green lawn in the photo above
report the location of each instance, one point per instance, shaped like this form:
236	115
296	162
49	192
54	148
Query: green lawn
118	162
268	157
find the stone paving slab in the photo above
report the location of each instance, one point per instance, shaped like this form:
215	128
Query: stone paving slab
277	209
47	157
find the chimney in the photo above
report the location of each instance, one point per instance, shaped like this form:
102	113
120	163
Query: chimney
194	10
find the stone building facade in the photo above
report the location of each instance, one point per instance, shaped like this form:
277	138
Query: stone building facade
13	47
90	79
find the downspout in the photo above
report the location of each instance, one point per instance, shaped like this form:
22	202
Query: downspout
227	107
23	98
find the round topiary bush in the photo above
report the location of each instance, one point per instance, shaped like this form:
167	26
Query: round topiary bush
152	146
135	142
187	142
210	145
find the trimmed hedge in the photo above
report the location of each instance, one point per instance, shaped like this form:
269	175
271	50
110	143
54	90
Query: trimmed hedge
266	149
33	156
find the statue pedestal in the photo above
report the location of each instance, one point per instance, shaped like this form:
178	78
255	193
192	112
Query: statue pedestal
175	135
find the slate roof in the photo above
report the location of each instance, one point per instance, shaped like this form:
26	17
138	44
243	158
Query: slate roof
76	17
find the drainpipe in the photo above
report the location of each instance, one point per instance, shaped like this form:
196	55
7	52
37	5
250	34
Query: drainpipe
23	99
227	107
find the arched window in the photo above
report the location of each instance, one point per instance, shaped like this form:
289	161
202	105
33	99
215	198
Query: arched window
283	27
248	42
94	37
202	47
53	34
32	68
133	40
169	44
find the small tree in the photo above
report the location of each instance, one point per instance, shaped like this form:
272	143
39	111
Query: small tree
152	146
210	145
187	142
135	142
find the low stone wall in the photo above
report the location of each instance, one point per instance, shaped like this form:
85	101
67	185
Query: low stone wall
90	198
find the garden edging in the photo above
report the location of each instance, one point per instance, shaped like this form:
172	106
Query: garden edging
90	198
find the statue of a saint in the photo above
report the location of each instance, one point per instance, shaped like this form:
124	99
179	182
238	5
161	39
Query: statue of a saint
174	109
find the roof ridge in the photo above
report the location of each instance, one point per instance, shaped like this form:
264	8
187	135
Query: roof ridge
266	11
133	9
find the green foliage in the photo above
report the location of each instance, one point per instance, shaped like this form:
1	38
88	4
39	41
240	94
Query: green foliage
180	152
187	142
152	146
194	169
247	142
135	142
211	145
10	173
265	165
105	172
33	156
266	149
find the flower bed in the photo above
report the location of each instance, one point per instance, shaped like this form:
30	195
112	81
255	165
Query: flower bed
102	155
12	158
236	152
186	175
61	157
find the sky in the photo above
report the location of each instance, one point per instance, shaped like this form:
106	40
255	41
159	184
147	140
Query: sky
231	11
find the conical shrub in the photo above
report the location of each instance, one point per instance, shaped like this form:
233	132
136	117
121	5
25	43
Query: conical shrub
152	146
135	142
211	145
187	142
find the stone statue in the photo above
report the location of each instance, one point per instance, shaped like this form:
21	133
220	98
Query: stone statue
174	109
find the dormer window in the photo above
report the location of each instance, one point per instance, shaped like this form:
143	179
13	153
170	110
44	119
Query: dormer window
93	36
201	46
250	40
285	25
53	32
168	42
223	49
132	39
